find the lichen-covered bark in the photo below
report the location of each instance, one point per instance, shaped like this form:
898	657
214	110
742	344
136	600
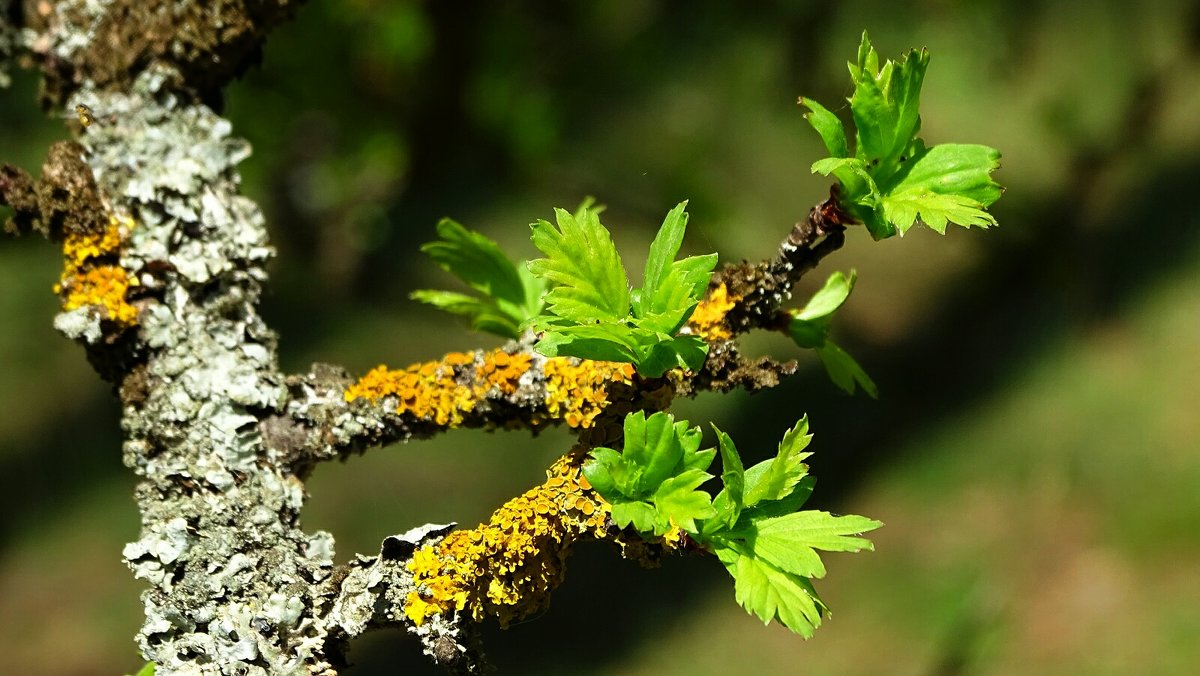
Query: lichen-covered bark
163	271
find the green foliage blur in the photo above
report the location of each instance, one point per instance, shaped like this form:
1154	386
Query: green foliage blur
1034	446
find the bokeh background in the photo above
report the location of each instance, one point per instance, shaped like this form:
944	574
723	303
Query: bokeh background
1035	450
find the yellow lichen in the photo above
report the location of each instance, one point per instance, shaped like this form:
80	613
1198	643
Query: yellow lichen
708	319
91	276
507	568
444	391
577	390
102	286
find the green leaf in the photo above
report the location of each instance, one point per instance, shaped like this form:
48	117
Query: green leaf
844	371
653	483
832	133
678	502
640	514
581	264
829	298
769	593
654	444
510	295
602	342
809	328
767	509
790	542
808	335
146	670
477	260
728	503
949	183
484	315
685	352
885	105
671	288
775	479
608	473
953	169
664	248
592	314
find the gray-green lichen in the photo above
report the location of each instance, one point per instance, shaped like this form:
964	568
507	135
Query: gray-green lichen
211	425
236	585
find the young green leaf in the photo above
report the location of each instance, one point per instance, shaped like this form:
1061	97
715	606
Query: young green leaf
949	183
637	513
590	318
885	105
790	542
769	593
664	248
671	289
510	295
657	445
809	328
602	342
664	354
829	298
844	371
794	501
475	259
678	502
585	273
728	503
766	543
776	478
653	483
833	134
484	315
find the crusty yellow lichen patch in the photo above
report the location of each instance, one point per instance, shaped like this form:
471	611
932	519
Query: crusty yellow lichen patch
507	567
708	319
91	276
444	391
577	389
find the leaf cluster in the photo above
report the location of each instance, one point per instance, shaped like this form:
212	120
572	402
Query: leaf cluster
892	180
591	312
578	297
754	525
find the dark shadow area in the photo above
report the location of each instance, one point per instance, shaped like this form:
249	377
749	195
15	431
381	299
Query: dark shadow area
82	449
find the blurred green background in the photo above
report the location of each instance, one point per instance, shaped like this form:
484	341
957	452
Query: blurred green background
1034	451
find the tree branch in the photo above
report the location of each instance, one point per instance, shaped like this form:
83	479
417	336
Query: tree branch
164	267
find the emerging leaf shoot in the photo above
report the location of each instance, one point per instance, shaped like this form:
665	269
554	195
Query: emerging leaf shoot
892	180
590	311
652	485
